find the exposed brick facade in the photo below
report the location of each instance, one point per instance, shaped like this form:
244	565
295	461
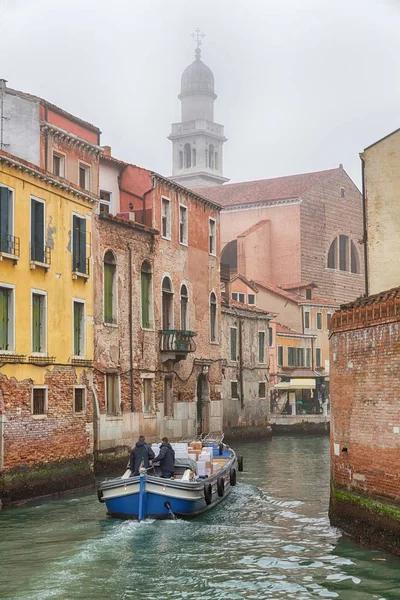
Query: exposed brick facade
365	418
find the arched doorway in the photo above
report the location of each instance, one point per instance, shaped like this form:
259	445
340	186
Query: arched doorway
203	404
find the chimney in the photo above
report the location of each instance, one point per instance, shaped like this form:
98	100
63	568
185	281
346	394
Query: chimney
3	84
340	166
107	150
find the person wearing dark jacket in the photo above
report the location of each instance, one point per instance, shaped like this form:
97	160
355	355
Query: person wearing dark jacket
140	453
166	458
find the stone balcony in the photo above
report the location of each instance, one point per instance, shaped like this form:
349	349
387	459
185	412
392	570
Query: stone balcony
189	127
176	344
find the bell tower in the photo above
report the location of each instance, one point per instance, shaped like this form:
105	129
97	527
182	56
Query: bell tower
197	142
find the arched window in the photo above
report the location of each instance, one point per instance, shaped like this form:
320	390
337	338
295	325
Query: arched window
146	294
343	255
109	288
187	151
184	308
229	256
180	159
213	317
194	157
167	304
211	156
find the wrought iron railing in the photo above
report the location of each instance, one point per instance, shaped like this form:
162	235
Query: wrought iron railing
41	254
179	341
9	244
82	267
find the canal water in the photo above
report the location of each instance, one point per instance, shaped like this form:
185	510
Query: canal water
270	539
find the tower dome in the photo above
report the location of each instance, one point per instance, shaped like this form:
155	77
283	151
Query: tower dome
197	78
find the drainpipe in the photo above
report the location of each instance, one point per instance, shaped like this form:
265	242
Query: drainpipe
241	362
130	328
365	234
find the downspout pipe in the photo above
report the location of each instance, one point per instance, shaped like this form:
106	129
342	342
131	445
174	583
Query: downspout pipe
130	329
365	232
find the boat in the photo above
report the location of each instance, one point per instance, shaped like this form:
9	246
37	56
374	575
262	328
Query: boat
188	494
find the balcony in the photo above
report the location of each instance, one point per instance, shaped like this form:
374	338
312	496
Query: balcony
9	247
40	256
80	268
189	127
176	344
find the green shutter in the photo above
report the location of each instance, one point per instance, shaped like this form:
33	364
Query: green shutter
77	329
108	292
36	323
5	225
79	244
280	356
4	297
37	231
146	300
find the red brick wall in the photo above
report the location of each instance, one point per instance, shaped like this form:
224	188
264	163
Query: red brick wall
61	434
365	400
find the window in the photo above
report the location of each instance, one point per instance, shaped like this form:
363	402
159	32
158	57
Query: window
308	357
38	322
261	346
181	159
183	224
39	400
343	255
342	192
168	397
187	152
7	318
270	337
235	296
79	328
318	357
58	164
184	309
112	394
105	202
213	317
167	304
147	394
233	343
37	231
146	294
84	176
109	288
194	157
79	399
262	389
166	218
251	298
242	298
328	319
280	356
308	293
212	237
7	241
319	320
211	162
234	389
79	263
295	357
306	320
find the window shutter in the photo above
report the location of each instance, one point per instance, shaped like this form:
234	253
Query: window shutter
79	244
37	231
108	293
5	243
145	300
36	324
76	329
4	319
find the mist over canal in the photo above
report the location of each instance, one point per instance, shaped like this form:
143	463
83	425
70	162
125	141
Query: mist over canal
270	539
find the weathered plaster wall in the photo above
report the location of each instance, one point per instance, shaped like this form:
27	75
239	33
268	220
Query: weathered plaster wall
21	133
382	168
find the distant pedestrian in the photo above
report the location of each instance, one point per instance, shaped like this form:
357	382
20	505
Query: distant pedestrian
141	453
166	458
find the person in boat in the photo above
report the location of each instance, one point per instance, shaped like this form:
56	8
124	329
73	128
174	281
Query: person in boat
140	453
166	459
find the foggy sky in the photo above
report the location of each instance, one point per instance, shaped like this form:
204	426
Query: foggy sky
302	85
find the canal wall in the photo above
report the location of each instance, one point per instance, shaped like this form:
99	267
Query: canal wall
293	424
365	419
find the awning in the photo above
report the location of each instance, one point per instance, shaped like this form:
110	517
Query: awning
296	384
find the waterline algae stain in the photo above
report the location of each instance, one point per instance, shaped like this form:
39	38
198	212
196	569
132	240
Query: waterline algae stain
271	540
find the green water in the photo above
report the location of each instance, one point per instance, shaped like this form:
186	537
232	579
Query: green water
270	539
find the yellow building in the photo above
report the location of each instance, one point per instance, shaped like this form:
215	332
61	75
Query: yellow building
381	176
46	318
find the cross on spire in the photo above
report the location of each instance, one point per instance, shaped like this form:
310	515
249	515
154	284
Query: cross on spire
197	36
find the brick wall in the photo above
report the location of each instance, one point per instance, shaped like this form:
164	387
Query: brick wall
365	399
324	216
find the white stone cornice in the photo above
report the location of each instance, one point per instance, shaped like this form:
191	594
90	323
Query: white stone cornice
71	139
